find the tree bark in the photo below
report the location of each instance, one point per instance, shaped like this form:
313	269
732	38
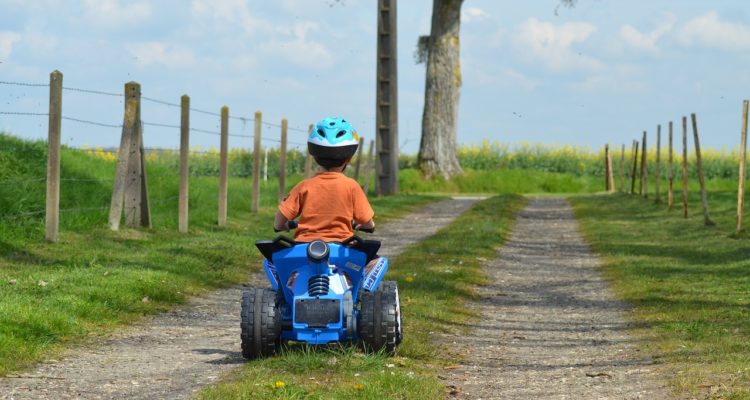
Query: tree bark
437	150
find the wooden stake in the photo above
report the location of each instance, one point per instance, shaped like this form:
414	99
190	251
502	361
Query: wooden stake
684	168
308	159
635	166
743	160
370	166
622	169
360	151
255	206
670	192
129	193
606	167
657	173
701	178
611	173
643	188
223	161
184	163
52	216
282	159
265	164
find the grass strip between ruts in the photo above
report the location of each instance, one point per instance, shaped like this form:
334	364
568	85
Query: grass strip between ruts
689	285
436	279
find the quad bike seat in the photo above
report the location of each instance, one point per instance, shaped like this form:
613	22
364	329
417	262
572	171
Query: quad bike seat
268	247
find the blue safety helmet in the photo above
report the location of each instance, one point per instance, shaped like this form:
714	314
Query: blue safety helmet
332	142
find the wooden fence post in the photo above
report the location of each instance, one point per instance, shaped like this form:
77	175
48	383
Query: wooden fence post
184	162
606	167
743	160
265	164
622	169
684	168
701	177
635	166
131	185
370	166
223	156
670	192
256	164
282	159
359	158
643	188
52	216
308	158
657	173
611	177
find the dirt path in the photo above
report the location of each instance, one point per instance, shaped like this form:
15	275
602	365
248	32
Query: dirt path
551	327
174	354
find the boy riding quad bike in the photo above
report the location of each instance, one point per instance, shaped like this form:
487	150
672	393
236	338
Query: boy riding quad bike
326	283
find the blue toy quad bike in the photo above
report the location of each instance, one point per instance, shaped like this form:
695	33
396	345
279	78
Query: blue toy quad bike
321	293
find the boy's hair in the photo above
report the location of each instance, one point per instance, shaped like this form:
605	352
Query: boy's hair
329	162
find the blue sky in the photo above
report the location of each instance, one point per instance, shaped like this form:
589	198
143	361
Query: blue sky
601	72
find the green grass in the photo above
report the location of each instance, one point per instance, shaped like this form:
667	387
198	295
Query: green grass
55	295
436	279
501	181
689	285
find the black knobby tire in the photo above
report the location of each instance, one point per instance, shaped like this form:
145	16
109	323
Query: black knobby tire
260	323
378	322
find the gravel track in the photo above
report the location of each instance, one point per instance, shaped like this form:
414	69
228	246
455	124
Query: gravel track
550	327
174	354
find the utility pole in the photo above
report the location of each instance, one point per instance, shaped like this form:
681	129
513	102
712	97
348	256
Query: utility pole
386	120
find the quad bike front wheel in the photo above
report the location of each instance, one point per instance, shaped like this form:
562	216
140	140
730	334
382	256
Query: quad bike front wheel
379	319
260	323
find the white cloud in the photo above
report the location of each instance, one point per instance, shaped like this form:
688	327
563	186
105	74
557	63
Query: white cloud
112	14
619	79
219	15
710	31
647	41
299	49
7	39
160	53
472	14
552	45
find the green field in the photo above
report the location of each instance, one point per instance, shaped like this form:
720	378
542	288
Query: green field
689	285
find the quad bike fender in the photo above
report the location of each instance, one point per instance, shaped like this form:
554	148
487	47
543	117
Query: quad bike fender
273	275
373	278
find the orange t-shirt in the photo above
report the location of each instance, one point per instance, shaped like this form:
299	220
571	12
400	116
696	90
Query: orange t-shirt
326	205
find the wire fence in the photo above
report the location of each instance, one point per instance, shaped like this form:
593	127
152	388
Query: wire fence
30	188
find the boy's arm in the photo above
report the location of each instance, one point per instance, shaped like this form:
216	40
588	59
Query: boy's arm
368	225
280	223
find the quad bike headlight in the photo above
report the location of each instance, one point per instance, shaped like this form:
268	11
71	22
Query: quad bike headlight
318	250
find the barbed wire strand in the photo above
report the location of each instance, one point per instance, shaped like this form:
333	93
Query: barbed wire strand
15	181
84	121
24	113
23	84
91	91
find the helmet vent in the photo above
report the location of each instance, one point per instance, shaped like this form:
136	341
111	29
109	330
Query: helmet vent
321	133
340	134
331	123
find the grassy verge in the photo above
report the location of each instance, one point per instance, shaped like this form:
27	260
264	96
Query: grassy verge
435	279
55	295
690	285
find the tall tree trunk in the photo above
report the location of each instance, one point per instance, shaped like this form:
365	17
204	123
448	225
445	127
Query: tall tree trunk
437	150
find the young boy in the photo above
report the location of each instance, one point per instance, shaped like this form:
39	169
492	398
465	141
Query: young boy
328	203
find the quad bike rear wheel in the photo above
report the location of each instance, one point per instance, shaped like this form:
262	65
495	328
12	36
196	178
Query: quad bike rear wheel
260	323
379	319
